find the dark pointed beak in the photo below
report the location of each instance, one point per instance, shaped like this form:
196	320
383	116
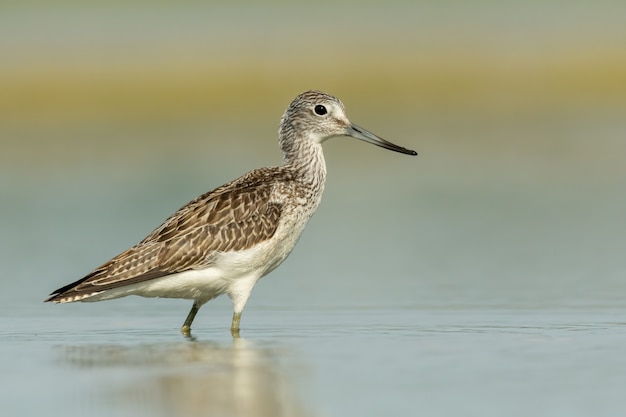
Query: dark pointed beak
366	136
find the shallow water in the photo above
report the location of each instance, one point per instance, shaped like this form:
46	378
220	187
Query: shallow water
366	362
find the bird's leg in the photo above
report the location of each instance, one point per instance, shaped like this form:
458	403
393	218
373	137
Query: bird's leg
239	293
186	329
234	327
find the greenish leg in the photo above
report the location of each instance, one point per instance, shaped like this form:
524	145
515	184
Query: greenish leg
186	329
234	327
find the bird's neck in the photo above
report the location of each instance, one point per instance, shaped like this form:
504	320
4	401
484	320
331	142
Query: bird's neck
307	160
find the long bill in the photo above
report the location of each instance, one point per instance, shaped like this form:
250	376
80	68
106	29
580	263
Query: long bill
358	132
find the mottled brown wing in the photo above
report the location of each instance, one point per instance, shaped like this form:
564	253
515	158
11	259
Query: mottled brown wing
234	217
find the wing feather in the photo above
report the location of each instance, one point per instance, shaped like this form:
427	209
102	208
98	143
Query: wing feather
236	216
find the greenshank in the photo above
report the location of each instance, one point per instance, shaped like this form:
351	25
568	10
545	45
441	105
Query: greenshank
224	241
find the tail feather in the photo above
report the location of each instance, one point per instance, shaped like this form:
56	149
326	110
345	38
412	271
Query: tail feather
70	293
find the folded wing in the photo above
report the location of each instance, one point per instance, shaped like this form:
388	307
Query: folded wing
234	217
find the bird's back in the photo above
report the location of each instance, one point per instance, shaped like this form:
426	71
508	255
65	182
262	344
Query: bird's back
215	227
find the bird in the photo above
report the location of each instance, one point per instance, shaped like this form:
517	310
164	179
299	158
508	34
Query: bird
225	240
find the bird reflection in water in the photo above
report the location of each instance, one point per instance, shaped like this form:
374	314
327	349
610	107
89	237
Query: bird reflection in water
191	379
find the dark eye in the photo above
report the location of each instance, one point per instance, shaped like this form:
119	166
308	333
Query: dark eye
321	110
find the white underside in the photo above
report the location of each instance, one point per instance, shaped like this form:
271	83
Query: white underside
201	285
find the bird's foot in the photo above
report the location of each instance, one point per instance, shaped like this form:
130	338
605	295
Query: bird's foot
234	332
186	331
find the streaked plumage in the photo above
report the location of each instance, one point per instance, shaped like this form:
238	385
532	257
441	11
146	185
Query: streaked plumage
225	240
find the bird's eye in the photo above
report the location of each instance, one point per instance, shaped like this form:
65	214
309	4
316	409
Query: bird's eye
320	110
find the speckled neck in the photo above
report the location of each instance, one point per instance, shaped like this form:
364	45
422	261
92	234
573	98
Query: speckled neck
302	155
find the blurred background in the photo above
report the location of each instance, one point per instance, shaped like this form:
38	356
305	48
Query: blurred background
114	114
